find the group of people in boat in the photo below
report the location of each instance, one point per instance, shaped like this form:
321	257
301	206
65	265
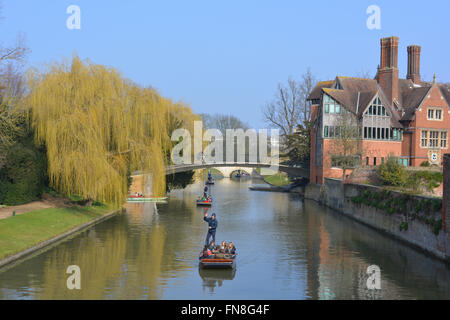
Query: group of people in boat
210	179
224	251
205	196
138	195
210	250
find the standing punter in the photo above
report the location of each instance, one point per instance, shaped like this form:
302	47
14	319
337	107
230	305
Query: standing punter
212	226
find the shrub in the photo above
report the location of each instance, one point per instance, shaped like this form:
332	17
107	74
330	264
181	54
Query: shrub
425	164
403	226
23	178
392	173
437	205
437	226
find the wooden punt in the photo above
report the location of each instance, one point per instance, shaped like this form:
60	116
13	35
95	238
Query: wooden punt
217	263
204	203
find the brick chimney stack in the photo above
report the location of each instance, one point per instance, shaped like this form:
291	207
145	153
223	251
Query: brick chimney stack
414	64
388	70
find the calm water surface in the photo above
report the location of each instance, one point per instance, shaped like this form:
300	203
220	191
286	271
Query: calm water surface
287	249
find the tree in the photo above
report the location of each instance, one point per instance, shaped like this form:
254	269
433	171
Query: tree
11	91
290	107
346	146
97	127
392	173
364	74
300	145
222	122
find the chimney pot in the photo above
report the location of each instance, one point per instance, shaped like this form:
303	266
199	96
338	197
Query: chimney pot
414	63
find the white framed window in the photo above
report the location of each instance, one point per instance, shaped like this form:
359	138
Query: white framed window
434	139
424	138
434	114
444	139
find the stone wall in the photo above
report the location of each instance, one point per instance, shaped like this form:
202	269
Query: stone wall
446	195
419	234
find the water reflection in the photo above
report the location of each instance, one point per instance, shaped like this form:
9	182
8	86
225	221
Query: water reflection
288	249
215	278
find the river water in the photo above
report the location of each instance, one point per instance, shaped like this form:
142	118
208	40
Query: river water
287	249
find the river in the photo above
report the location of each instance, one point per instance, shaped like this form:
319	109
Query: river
287	249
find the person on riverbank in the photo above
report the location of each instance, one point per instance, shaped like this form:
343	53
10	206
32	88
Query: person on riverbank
212	227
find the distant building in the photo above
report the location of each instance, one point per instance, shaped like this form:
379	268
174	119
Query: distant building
407	118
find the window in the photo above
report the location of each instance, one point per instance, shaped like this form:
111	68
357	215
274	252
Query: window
374	161
434	138
331	106
365	132
376	108
434	114
367	161
325	132
444	139
424	138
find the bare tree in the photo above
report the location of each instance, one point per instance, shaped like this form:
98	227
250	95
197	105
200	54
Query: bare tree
222	122
346	146
290	107
364	74
307	84
12	89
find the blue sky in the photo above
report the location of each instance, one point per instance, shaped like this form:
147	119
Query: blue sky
228	56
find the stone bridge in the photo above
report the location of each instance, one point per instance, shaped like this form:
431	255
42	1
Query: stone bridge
228	168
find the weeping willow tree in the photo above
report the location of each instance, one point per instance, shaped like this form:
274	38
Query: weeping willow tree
98	126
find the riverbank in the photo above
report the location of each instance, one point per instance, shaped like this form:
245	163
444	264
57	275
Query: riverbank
26	233
412	219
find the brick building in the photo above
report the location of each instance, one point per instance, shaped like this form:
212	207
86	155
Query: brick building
407	118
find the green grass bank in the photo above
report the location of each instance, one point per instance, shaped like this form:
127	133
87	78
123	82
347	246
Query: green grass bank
24	231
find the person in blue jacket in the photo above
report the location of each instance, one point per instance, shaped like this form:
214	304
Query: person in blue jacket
212	226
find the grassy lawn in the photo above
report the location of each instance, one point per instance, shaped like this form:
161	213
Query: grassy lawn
278	179
26	230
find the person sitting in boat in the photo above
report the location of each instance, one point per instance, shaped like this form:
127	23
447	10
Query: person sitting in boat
223	247
212	247
206	253
231	249
212	226
209	176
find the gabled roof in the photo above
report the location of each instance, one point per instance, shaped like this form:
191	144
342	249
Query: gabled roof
357	93
445	90
316	93
348	96
412	98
